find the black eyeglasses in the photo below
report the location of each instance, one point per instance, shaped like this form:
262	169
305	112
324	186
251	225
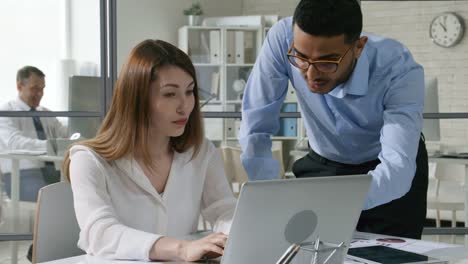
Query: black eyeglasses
325	66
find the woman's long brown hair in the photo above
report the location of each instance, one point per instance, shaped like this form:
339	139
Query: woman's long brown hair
125	128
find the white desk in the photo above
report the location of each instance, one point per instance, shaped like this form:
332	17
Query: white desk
15	188
455	253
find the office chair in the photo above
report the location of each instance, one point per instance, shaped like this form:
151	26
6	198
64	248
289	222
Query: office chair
446	192
234	169
56	230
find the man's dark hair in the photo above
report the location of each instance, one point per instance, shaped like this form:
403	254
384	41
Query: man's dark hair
25	72
329	18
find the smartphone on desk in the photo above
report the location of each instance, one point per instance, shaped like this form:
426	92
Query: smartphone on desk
388	255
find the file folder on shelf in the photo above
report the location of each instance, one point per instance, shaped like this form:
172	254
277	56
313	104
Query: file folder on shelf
214	46
230	47
239	39
215	84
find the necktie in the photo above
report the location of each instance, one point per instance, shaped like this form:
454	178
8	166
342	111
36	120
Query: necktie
39	128
48	172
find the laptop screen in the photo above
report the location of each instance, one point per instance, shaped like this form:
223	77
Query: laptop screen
270	215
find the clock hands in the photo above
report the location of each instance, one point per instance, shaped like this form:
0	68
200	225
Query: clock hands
442	25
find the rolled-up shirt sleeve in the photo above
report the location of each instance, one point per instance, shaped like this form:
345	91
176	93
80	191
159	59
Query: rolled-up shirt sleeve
264	95
399	137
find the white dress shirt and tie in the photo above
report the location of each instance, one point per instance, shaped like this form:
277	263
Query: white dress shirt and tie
29	133
374	119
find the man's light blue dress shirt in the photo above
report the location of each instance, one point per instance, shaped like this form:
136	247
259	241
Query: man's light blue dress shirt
377	113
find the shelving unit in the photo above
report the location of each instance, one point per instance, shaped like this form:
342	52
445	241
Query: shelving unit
223	57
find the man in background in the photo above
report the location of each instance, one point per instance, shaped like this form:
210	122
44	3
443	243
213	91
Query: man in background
29	133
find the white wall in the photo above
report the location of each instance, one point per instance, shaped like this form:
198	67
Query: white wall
81	44
160	19
408	22
264	7
34	33
85	37
30	36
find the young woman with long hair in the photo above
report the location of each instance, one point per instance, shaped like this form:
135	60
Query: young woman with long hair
142	182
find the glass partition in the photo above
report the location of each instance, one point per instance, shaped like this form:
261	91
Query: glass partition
54	90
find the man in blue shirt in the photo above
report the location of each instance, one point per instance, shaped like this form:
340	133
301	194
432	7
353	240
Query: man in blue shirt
361	98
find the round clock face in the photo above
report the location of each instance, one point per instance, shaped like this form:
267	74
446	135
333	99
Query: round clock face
446	30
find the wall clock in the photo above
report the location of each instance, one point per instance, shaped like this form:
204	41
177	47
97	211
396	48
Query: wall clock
446	29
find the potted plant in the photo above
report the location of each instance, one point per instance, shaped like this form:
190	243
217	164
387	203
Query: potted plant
194	13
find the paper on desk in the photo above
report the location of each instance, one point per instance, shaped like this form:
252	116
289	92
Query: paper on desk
27	152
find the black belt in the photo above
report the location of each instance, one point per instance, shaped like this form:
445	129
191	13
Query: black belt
325	161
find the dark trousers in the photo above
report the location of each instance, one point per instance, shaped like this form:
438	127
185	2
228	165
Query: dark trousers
403	217
32	180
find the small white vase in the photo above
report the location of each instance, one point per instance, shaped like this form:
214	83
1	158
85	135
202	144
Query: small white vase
194	20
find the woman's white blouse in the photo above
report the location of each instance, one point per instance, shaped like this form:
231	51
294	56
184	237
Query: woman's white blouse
121	215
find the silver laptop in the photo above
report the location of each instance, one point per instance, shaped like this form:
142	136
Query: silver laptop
271	214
